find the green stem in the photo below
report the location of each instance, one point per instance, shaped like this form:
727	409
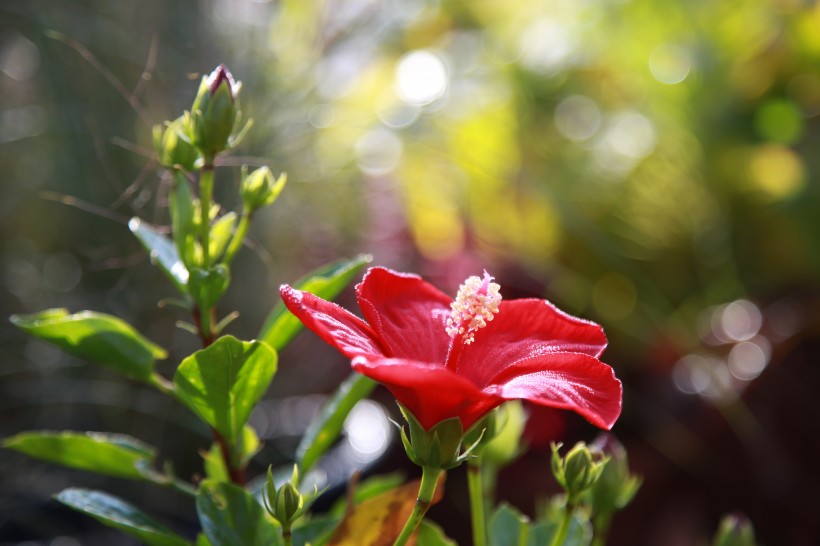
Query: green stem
563	530
601	524
206	190
238	235
287	536
429	480
477	511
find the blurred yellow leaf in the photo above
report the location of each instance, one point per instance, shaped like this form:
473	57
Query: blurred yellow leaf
378	521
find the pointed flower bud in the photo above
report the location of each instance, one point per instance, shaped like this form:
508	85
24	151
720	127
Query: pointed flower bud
616	487
735	530
215	112
174	151
259	189
578	470
285	503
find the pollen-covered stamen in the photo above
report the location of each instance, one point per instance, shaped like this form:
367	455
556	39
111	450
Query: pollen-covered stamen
475	305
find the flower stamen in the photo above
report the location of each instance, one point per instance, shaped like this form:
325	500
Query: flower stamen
475	305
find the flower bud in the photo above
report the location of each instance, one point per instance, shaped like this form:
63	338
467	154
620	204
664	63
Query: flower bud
735	530
174	151
259	189
286	503
214	113
578	470
616	487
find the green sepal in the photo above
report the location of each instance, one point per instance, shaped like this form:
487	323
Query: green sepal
206	286
439	447
114	512
110	454
103	339
213	117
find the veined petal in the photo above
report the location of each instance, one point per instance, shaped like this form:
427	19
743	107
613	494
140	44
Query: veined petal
334	324
407	314
572	381
524	329
431	392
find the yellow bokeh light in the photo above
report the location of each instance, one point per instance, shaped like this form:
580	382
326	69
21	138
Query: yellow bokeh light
777	171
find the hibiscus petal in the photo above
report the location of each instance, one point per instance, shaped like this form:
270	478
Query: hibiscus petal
431	392
334	324
572	381
524	329
407	313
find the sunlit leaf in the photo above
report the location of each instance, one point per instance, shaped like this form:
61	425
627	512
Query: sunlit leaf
221	232
379	520
231	516
223	382
120	515
100	338
111	454
325	428
326	282
430	534
162	252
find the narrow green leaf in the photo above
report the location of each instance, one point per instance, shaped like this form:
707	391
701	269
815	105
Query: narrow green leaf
120	515
325	428
430	534
230	516
112	454
326	282
162	252
223	382
221	232
507	525
100	338
202	540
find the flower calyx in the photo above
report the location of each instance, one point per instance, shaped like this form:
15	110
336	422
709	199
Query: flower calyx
440	447
174	150
617	486
578	470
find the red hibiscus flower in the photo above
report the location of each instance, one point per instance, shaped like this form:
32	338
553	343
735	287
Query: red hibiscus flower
444	358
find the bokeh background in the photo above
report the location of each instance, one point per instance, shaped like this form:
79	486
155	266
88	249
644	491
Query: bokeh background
649	165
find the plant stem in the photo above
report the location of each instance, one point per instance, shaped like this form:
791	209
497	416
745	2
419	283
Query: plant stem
238	235
287	536
601	524
563	530
427	488
477	513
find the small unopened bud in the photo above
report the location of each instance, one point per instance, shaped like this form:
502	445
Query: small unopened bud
285	503
173	150
578	470
259	189
735	530
616	487
214	113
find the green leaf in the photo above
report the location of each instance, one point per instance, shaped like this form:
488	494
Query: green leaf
507	526
111	454
430	534
223	382
326	282
120	515
230	516
580	532
325	428
202	540
315	531
100	338
162	252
